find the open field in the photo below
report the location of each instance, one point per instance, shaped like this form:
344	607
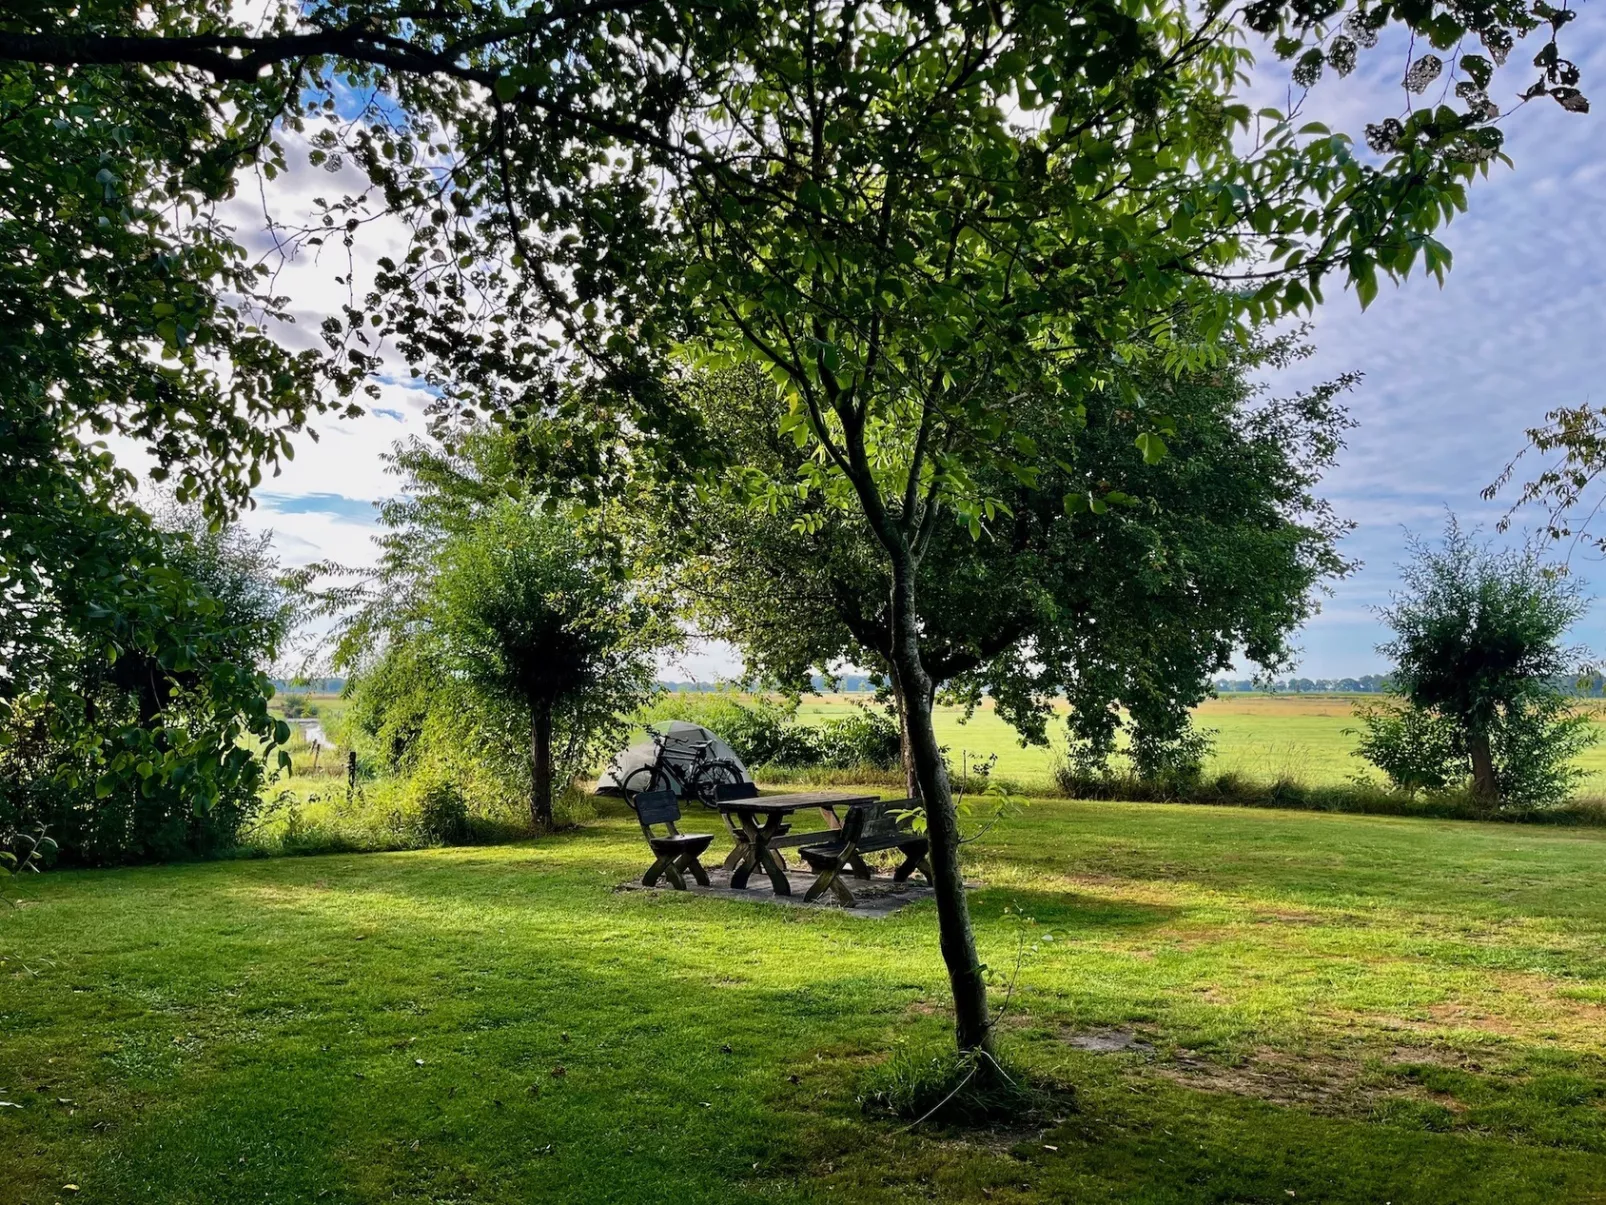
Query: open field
1257	735
1330	1009
1260	736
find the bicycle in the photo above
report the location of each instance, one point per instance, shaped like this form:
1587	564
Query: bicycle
688	770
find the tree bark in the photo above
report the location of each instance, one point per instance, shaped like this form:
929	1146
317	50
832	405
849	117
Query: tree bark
911	781
541	765
972	1025
1484	785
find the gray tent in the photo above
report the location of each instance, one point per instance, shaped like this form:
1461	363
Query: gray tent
680	741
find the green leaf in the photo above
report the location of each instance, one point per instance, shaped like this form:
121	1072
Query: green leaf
1366	287
1152	447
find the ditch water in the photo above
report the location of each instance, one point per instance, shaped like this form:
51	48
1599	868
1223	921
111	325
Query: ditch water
313	731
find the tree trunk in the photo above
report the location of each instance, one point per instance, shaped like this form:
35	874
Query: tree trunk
541	765
1484	786
972	1026
911	781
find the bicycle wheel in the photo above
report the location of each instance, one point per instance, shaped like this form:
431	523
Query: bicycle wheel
711	776
643	778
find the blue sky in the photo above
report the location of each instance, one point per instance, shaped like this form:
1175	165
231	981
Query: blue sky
1453	377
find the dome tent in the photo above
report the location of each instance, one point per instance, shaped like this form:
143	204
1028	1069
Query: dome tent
680	742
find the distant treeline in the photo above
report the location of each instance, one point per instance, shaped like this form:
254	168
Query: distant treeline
316	686
1589	687
847	684
1366	684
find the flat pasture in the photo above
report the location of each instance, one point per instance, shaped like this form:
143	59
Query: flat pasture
1260	736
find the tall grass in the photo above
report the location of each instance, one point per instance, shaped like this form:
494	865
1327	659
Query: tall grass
1287	790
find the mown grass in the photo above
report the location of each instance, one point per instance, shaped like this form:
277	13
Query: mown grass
1327	1008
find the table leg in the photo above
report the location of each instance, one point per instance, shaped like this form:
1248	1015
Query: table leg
777	873
750	854
740	846
773	866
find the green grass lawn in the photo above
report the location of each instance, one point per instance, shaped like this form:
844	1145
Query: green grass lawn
1334	1008
1262	737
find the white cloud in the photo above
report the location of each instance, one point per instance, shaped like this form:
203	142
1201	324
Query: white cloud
1455	376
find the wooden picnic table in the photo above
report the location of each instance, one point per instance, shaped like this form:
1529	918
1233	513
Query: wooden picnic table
760	825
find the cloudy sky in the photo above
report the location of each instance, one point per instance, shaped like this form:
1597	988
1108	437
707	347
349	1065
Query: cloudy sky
1452	377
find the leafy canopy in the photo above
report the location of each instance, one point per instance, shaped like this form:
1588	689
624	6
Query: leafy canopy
1476	630
1131	603
918	215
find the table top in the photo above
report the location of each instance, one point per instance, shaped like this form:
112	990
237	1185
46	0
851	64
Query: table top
797	800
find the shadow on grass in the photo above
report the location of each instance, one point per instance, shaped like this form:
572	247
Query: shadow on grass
496	1025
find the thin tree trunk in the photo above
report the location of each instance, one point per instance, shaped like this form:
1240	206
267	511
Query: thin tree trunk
1484	785
541	765
972	1026
911	781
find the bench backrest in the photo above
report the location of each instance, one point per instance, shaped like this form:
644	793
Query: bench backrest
657	807
877	819
735	790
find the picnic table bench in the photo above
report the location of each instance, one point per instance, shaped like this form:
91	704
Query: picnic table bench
867	829
761	830
677	854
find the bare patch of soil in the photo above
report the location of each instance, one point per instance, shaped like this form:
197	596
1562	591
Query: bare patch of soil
1320	1083
1325	1083
1109	1041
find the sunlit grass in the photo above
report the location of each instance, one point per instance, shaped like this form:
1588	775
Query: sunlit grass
1341	1008
1262	737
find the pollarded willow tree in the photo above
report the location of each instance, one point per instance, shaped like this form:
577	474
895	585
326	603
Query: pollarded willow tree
1478	643
501	625
924	218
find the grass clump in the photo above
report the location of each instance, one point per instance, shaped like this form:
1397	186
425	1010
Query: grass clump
944	1086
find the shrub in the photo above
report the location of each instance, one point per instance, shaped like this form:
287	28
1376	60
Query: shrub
763	733
1418	750
440	810
1160	761
1175	760
1535	746
296	706
865	738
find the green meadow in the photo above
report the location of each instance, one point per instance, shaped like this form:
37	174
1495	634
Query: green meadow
1229	1005
1263	737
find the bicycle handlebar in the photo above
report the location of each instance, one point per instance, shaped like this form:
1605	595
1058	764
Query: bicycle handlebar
659	739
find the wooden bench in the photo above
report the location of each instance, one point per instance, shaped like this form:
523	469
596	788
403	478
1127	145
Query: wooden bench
677	854
867	829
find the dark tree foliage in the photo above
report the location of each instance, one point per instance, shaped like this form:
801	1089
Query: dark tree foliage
140	728
1130	599
1478	638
